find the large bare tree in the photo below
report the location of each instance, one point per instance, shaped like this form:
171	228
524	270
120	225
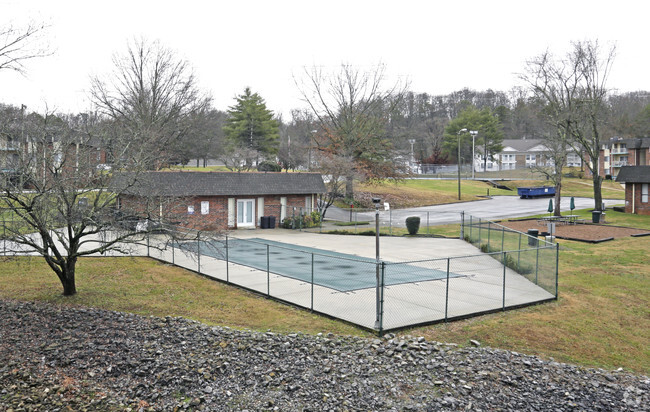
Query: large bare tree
152	96
352	108
594	64
21	44
573	93
57	202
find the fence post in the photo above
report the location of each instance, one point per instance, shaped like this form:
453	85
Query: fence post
390	222
227	262
268	269
471	224
147	244
489	233
519	254
447	291
312	282
173	254
557	268
462	225
503	235
480	225
504	279
198	250
537	263
381	313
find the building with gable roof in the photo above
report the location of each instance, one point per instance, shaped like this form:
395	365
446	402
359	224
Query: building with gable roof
223	200
637	185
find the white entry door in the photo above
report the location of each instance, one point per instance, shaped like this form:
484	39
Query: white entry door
245	213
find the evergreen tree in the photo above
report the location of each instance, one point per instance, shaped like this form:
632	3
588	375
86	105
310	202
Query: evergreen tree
251	125
490	134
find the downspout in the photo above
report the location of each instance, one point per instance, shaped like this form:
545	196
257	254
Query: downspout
633	197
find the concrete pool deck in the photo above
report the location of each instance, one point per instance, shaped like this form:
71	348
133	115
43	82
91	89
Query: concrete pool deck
479	288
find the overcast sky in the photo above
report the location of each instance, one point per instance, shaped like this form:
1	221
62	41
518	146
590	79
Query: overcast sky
439	47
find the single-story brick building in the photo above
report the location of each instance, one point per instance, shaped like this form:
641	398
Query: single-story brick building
637	182
222	200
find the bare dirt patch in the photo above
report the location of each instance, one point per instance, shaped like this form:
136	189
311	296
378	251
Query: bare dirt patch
587	232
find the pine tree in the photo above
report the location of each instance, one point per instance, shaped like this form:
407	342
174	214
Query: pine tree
251	125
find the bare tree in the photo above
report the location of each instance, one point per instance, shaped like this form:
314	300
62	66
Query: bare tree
573	93
20	44
58	203
335	170
594	65
152	96
556	84
352	109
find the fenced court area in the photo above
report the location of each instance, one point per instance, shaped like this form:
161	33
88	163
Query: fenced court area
417	280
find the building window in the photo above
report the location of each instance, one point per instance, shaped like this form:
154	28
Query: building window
644	193
190	209
205	207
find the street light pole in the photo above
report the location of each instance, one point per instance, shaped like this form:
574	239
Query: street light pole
473	133
459	132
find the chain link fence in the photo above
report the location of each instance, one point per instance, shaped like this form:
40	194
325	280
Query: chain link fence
504	269
507	271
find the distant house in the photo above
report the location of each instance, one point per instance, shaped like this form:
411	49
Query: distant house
223	200
637	181
529	153
618	152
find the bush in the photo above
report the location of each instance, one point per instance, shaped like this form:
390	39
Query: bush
268	166
305	221
413	224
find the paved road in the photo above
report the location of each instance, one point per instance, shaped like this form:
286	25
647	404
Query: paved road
498	207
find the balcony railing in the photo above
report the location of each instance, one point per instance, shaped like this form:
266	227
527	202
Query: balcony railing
618	151
620	164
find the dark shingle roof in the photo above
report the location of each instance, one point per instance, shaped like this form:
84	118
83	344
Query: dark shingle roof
634	174
183	184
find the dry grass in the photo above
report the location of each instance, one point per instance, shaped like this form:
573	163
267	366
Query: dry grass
601	319
147	287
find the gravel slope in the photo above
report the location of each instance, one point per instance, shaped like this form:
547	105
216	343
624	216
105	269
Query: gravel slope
56	358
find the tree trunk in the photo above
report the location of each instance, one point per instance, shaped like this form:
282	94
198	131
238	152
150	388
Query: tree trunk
68	278
349	187
558	199
598	194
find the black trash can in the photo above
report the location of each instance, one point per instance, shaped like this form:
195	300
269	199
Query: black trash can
532	239
595	216
271	222
264	222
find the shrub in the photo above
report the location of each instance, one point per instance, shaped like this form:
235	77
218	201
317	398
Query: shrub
305	221
268	166
413	224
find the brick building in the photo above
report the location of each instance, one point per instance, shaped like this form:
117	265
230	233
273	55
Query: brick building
637	182
222	200
617	153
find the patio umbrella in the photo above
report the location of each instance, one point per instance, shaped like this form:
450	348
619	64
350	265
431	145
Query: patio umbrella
573	204
550	205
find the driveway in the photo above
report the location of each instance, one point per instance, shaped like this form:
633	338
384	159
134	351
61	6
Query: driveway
498	207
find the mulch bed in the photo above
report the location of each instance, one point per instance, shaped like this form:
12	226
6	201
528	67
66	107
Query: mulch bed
585	232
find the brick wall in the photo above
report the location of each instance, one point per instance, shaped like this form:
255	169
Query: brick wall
634	190
177	210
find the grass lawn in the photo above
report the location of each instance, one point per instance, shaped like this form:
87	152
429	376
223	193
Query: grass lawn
421	192
602	318
148	287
